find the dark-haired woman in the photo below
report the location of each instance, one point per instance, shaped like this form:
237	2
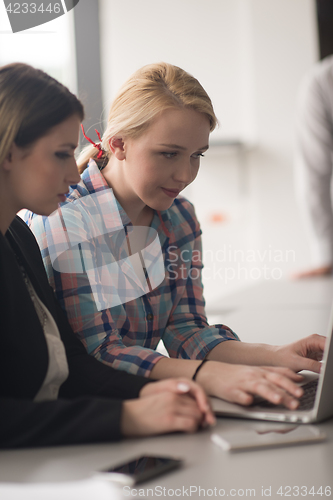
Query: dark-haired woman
51	391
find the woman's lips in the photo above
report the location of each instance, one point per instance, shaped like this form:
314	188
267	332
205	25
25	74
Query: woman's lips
172	193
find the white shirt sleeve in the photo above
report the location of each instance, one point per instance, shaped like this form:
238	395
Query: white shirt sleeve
314	161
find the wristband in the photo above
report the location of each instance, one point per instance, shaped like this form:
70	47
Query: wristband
198	368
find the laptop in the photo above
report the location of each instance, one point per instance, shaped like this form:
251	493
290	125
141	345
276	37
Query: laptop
315	405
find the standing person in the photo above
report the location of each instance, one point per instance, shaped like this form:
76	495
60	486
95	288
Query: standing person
158	130
314	164
51	391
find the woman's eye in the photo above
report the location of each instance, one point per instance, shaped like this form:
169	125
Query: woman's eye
173	154
63	155
168	154
198	155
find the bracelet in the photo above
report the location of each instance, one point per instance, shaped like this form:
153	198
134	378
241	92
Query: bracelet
198	368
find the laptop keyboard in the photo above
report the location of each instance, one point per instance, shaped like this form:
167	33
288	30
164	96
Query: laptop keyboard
306	402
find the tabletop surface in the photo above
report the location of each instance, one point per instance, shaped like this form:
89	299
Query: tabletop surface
208	471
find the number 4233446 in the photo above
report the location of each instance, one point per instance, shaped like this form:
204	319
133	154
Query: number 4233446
33	8
303	491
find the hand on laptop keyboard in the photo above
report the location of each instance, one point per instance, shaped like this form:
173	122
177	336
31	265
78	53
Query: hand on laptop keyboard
240	383
306	402
304	354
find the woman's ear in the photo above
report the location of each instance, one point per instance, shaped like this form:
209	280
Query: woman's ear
117	147
8	161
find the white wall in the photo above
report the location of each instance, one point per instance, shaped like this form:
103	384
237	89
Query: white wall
203	37
250	56
50	47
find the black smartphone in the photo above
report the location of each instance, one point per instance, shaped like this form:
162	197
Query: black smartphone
140	469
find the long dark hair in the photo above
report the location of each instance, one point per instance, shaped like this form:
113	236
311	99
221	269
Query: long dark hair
31	103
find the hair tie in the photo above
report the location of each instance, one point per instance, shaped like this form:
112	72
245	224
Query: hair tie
199	368
98	146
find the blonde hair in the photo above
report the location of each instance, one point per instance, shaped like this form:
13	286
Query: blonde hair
149	91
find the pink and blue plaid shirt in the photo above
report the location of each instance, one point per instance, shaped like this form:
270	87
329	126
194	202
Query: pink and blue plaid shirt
125	336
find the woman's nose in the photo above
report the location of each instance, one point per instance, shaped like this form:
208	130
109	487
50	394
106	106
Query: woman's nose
185	172
73	176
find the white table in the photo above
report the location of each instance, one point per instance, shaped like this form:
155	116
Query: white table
256	474
206	466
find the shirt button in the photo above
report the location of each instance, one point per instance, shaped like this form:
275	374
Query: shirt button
150	317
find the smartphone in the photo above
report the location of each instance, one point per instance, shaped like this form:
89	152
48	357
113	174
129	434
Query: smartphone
139	469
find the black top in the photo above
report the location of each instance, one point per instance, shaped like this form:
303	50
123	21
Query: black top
84	411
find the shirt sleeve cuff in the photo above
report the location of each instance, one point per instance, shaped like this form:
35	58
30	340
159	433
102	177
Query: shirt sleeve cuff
202	342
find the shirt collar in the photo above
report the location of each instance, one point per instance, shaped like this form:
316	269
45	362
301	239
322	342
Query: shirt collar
95	182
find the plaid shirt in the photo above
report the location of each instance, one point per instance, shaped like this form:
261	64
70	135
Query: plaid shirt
126	335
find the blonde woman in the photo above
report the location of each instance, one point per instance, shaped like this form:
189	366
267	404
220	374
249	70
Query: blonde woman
51	391
158	130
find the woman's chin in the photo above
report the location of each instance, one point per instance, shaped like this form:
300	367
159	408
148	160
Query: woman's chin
162	205
45	211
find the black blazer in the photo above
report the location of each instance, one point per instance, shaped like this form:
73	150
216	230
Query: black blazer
83	412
